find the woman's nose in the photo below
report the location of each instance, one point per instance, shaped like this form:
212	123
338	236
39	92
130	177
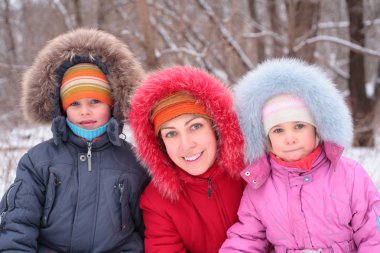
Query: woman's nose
186	142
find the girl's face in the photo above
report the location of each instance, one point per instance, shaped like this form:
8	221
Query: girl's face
190	142
292	141
88	113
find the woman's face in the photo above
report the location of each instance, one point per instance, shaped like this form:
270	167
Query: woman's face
190	142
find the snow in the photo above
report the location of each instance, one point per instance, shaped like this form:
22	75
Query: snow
15	142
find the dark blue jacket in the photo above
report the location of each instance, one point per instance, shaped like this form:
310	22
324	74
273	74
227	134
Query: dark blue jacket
73	196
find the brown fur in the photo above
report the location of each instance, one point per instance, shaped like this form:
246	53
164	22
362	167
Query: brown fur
38	82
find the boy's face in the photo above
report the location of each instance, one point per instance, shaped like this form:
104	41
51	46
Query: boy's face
190	142
88	113
292	141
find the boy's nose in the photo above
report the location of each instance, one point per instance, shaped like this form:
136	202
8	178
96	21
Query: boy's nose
84	110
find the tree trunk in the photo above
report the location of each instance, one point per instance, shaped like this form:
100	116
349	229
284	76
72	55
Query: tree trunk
10	42
149	40
362	106
303	15
276	27
260	46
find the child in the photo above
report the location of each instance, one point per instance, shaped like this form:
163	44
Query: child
302	194
189	137
79	191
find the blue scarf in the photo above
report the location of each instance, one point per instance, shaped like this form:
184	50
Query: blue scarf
89	135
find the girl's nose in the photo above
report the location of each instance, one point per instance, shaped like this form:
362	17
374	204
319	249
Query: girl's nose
290	138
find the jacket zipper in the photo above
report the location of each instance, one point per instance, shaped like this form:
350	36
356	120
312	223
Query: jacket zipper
209	189
121	189
89	155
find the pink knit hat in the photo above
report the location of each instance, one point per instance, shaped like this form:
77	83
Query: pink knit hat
285	108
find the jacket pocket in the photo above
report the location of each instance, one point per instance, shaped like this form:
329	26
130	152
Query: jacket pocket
124	205
8	202
50	197
118	204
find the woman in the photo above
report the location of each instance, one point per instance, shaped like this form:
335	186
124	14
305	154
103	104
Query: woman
188	136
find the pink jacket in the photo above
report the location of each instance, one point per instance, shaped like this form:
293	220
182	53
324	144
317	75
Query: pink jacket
332	208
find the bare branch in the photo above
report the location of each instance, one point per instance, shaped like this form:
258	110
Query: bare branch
339	41
227	35
62	9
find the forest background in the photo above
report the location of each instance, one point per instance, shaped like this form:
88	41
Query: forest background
225	37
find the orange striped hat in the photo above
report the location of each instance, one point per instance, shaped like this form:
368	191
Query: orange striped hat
85	80
173	106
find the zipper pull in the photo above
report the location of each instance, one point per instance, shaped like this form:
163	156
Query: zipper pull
89	155
209	188
2	217
121	188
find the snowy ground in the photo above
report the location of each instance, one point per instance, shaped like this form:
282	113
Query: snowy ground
15	142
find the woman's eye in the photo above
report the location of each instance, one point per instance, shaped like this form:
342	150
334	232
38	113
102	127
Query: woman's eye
196	126
170	134
300	126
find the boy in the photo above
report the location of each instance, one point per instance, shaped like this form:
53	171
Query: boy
79	191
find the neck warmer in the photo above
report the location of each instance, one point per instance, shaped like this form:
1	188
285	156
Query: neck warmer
89	135
304	163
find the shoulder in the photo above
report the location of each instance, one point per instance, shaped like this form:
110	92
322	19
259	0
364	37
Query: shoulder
151	199
349	166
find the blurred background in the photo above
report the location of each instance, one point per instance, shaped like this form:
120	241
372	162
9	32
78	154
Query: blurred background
225	37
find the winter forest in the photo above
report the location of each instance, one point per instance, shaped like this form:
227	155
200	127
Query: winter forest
225	37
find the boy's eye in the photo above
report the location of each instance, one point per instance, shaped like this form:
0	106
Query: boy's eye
95	101
75	103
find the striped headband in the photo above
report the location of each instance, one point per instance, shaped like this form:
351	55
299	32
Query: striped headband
85	80
284	108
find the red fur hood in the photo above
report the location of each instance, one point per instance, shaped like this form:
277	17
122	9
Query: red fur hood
216	98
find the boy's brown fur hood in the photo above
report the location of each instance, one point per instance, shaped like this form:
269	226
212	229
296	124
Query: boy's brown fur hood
40	83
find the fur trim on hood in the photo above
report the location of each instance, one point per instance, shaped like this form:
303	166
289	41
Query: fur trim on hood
326	104
41	82
218	102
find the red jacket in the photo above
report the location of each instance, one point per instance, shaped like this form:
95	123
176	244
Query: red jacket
198	221
180	212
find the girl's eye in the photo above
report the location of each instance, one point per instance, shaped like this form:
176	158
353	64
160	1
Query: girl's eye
277	130
196	126
299	126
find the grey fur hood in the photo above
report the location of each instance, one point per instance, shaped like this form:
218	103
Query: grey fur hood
40	100
287	75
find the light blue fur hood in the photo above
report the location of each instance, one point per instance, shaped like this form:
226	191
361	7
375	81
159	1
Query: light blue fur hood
289	75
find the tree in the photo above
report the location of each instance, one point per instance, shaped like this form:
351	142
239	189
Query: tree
362	106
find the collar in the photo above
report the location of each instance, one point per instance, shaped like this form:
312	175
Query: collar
305	163
61	131
258	171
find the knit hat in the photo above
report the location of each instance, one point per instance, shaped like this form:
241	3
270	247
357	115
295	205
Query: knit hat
85	80
173	106
285	108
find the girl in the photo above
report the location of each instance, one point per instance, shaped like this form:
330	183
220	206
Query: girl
302	194
189	138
